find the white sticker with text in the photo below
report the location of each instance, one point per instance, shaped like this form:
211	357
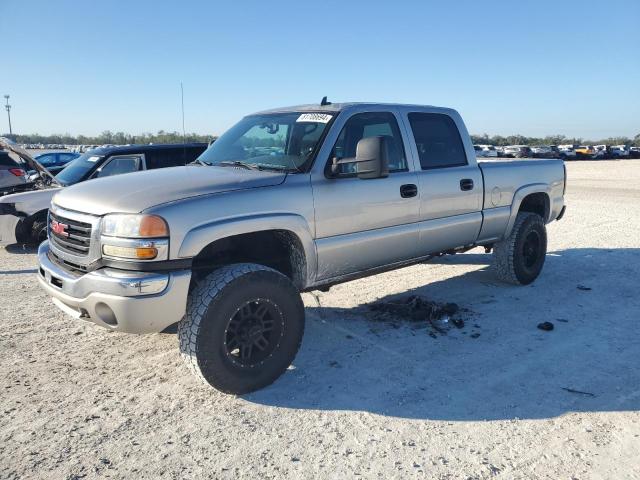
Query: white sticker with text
314	117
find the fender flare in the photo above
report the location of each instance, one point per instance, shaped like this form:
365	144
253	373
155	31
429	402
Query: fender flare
520	195
202	235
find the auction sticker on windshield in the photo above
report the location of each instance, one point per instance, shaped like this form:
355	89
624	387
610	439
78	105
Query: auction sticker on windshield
314	117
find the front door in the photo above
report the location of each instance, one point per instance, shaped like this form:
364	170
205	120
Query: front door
361	224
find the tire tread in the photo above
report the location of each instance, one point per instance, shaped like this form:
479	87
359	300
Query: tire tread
197	303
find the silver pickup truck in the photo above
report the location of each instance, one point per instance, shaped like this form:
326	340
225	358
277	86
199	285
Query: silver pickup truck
286	201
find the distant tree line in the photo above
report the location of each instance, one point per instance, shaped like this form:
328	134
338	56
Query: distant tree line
121	138
108	137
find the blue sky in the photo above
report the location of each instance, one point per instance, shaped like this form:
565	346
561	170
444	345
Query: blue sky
528	67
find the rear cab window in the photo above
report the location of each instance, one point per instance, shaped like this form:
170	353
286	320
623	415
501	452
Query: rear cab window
172	157
438	140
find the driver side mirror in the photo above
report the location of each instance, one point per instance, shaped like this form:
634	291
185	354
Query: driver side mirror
371	160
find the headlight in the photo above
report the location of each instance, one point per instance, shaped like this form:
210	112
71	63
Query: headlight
135	237
134	226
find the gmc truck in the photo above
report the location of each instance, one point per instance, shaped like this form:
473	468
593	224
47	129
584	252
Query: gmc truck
288	200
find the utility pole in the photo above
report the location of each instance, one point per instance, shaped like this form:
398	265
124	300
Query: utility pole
8	109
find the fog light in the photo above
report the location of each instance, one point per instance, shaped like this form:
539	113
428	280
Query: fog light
105	314
142	253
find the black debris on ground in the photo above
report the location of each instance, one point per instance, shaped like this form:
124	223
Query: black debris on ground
579	392
546	326
438	317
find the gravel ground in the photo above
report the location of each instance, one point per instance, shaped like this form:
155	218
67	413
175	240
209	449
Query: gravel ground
366	397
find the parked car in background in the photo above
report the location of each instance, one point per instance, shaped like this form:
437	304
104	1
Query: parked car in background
567	152
12	174
55	161
601	152
485	151
619	151
585	152
517	151
634	152
23	216
545	151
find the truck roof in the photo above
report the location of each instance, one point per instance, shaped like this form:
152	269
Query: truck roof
138	148
338	107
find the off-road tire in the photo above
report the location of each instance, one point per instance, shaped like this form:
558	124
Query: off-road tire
519	258
213	305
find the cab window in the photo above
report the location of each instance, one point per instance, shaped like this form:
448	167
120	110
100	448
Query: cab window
364	125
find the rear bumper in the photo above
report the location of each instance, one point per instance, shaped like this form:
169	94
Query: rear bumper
131	302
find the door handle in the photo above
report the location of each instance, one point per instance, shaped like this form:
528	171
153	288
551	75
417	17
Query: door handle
408	190
466	184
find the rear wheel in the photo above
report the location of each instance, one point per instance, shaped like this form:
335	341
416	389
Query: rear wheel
243	327
520	257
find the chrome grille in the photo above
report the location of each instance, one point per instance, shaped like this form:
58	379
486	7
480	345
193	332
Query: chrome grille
69	235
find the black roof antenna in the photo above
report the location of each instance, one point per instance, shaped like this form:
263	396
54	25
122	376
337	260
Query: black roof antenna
324	101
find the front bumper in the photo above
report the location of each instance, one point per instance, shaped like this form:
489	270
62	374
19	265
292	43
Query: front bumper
131	302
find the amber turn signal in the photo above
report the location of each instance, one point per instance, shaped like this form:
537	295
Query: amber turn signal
141	253
153	226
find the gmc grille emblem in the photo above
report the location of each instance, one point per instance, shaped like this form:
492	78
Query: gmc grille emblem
59	228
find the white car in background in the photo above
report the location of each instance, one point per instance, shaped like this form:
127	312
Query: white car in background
485	151
568	152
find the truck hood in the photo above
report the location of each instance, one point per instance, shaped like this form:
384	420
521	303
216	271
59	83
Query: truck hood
136	192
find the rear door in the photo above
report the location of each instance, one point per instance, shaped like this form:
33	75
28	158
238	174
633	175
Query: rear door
451	187
361	224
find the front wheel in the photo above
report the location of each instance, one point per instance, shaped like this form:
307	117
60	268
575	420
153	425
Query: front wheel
243	327
519	258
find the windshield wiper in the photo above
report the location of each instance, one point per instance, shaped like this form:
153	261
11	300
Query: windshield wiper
238	163
197	161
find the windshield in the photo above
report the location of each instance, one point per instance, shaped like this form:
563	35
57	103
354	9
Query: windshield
286	141
77	169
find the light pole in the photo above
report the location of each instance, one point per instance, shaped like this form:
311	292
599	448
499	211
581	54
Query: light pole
8	108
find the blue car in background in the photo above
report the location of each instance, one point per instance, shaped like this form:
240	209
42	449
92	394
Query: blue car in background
55	161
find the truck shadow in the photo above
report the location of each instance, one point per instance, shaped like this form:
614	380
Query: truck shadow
21	249
351	361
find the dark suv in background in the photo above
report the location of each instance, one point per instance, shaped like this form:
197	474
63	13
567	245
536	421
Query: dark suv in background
108	161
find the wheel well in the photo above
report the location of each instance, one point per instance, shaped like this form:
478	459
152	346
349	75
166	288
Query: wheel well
277	249
24	233
536	203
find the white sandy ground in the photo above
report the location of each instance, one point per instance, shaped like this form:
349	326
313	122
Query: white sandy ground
365	400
